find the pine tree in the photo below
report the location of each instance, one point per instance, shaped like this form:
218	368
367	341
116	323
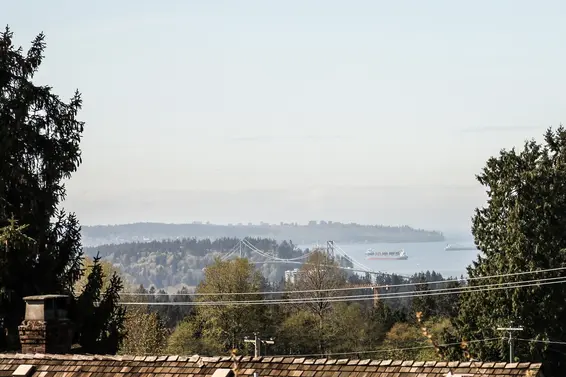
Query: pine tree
39	148
423	302
520	229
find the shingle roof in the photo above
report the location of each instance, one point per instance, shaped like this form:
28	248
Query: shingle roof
195	366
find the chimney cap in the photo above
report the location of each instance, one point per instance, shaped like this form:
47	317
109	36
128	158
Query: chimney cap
47	307
44	297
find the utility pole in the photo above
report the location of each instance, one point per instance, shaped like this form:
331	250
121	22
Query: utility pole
375	290
257	341
510	330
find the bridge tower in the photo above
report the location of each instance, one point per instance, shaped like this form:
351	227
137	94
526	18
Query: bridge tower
330	251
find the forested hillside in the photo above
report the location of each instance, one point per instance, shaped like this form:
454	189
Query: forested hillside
312	316
171	263
303	234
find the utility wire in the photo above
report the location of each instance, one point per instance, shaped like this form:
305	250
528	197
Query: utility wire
390	349
388	286
416	293
542	341
437	292
347	299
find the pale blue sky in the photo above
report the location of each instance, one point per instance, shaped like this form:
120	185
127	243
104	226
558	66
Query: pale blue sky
296	110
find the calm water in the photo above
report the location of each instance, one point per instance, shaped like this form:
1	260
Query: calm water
422	257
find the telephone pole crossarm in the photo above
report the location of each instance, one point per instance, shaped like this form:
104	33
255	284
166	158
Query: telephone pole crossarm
257	341
510	330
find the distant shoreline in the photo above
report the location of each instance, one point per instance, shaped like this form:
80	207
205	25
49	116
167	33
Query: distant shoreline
309	245
302	234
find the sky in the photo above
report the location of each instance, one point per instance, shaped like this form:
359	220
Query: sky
372	111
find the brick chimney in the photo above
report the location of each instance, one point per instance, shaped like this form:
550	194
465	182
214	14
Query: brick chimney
46	327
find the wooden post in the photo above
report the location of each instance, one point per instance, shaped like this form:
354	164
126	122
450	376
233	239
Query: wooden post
375	289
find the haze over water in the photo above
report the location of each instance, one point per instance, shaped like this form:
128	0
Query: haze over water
377	112
423	256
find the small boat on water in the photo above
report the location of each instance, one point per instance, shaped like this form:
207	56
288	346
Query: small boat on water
386	255
454	247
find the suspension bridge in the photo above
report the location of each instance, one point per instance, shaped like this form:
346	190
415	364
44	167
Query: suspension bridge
331	249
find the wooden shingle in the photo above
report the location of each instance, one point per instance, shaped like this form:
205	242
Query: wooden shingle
269	366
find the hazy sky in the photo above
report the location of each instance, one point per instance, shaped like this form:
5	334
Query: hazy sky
369	111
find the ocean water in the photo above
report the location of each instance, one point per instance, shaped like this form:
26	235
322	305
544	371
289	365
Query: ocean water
423	256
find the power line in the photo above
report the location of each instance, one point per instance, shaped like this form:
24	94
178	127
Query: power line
540	282
415	293
389	349
345	288
542	341
438	292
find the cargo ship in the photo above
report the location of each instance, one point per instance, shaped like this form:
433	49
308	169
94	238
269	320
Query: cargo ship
386	255
452	247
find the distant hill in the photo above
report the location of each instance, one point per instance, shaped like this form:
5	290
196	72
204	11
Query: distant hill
312	232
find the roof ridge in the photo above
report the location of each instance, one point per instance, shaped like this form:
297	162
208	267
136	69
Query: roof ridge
284	359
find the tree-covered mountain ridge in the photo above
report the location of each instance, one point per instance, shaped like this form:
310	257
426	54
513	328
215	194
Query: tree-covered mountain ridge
310	233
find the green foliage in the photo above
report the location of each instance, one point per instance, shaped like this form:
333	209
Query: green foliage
346	329
13	236
145	334
423	303
39	149
189	338
407	338
224	327
319	327
380	320
107	269
170	315
321	274
521	228
406	341
231	323
100	319
298	333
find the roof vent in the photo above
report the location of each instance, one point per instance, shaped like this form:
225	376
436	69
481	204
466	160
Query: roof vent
223	372
24	370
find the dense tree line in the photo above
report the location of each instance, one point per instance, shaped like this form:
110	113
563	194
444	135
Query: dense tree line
314	231
325	325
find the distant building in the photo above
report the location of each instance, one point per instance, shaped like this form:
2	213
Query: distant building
291	276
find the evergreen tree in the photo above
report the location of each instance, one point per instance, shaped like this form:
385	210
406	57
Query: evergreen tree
520	229
39	148
423	302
